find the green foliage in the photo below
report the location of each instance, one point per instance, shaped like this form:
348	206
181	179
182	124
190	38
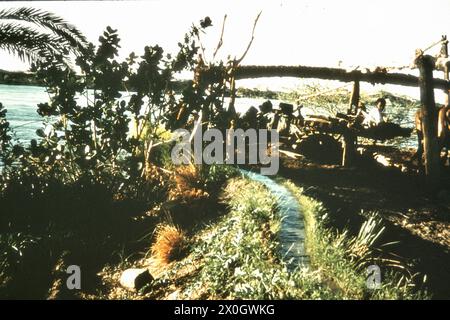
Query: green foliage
214	176
235	261
239	255
5	138
96	163
88	120
12	247
93	130
89	172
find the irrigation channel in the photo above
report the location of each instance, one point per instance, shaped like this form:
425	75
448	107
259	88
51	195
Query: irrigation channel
292	233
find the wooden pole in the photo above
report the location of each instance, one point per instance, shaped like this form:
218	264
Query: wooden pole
446	77
429	122
249	72
231	107
350	140
444	54
354	100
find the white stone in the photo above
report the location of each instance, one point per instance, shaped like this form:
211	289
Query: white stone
135	279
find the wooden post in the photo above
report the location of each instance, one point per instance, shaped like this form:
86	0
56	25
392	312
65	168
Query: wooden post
354	100
231	107
444	54
348	149
446	77
429	122
350	140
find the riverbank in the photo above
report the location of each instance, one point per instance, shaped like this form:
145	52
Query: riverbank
19	78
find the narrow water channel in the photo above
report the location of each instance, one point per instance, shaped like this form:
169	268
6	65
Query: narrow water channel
292	233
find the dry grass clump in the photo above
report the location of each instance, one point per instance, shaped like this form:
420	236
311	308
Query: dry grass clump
170	244
189	184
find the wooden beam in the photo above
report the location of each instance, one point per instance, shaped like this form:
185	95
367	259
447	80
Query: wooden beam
429	122
245	72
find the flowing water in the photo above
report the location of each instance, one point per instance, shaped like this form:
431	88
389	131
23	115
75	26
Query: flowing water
292	233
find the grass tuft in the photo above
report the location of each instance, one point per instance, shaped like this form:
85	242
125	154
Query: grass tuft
170	244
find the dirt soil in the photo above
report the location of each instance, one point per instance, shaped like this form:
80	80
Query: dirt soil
395	189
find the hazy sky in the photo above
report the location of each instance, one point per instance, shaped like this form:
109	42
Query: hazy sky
308	32
311	32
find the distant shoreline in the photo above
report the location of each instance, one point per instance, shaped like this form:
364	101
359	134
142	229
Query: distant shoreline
19	78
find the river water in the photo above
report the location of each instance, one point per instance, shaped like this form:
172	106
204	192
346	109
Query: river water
21	103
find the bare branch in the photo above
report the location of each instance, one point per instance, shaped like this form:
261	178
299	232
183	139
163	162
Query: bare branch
237	62
220	43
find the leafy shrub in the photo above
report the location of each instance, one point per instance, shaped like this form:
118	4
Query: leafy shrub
12	247
100	148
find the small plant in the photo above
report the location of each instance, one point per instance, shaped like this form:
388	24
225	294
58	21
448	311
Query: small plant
360	248
170	244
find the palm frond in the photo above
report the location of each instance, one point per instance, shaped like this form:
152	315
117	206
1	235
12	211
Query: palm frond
66	32
26	43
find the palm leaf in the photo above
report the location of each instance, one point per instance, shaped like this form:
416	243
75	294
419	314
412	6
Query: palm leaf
26	43
66	32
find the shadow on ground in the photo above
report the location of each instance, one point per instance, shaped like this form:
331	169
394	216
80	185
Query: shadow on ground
420	224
